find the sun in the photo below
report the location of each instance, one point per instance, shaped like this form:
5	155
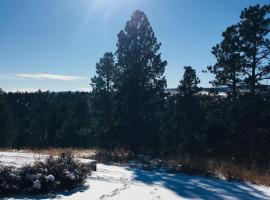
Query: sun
107	8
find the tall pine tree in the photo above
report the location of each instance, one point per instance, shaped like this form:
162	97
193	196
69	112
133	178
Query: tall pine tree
255	44
140	84
227	69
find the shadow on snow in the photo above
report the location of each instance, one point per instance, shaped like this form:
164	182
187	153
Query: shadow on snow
192	187
51	195
187	186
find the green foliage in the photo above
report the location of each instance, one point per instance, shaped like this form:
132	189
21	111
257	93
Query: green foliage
243	55
140	83
255	44
227	70
185	116
3	119
104	120
45	119
106	72
128	108
189	84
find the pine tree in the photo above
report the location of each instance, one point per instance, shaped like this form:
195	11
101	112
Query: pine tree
140	84
243	57
3	119
106	71
255	44
104	115
189	84
227	69
187	115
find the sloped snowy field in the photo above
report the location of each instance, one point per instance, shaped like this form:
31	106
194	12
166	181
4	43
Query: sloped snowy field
131	183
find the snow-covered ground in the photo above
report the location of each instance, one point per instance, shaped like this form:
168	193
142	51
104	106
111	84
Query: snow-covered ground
18	159
131	183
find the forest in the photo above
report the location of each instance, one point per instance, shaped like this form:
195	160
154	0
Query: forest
129	109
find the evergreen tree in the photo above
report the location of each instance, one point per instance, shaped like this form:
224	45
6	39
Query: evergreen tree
255	44
189	84
140	82
106	72
227	69
189	115
254	29
104	115
3	119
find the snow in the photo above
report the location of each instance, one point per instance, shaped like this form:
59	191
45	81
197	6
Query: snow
114	182
50	178
18	159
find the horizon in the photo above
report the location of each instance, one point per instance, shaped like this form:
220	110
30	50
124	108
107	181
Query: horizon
54	46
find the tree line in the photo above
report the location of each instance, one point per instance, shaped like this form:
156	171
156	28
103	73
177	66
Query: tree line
128	107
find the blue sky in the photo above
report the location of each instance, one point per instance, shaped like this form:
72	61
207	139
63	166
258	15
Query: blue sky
54	44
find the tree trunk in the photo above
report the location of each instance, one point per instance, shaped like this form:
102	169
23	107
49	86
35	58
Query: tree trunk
253	73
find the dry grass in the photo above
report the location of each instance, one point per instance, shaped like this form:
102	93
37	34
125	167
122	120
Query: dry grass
56	151
117	156
224	170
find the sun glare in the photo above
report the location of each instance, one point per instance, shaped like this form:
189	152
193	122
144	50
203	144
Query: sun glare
105	7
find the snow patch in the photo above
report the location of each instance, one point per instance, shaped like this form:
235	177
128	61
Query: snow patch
112	182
